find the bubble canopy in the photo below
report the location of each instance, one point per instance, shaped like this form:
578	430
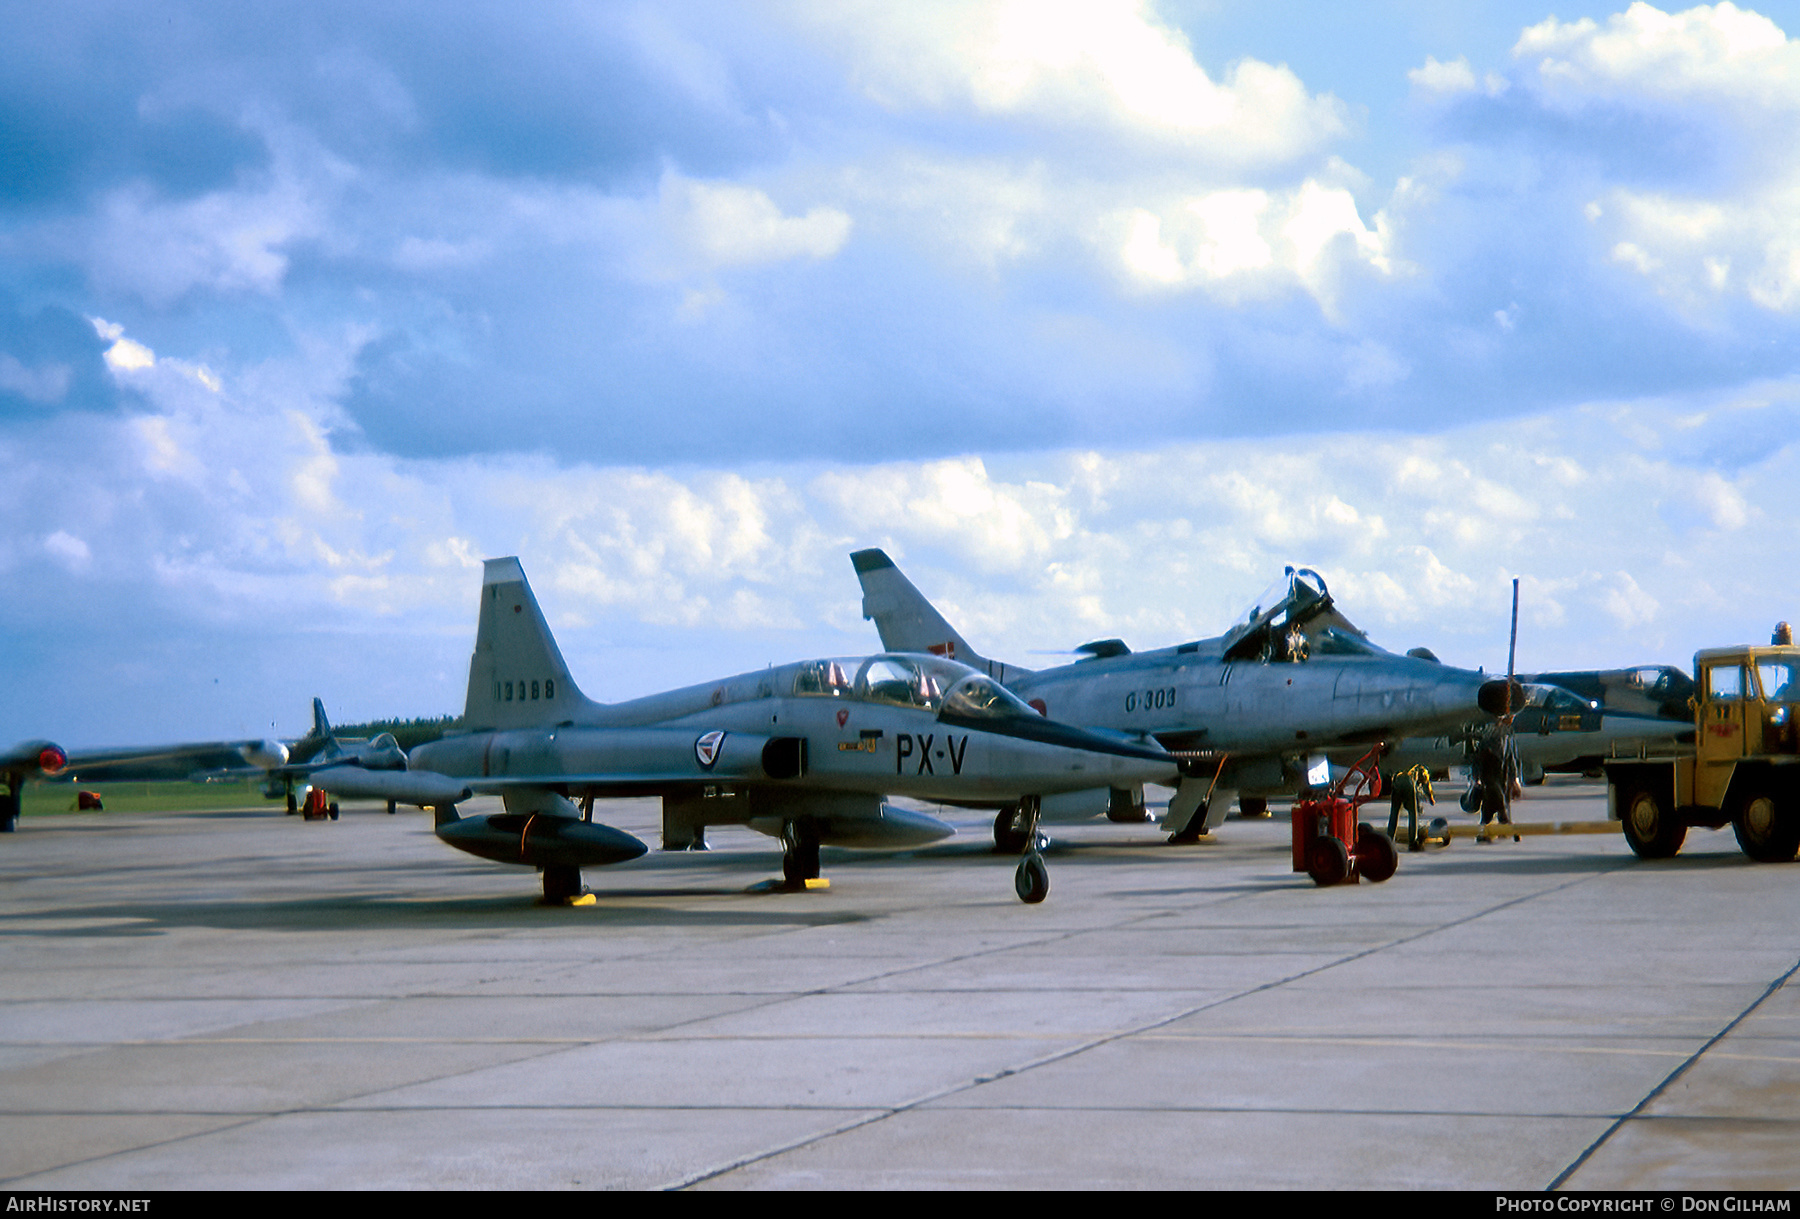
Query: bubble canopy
927	683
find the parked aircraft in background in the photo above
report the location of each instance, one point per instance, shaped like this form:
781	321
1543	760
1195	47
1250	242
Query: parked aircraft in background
1572	721
1254	711
285	767
802	752
24	761
322	750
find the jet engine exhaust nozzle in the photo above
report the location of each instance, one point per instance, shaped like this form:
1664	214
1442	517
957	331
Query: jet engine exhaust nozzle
1494	699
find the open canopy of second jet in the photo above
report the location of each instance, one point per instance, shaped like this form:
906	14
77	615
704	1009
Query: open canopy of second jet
1252	711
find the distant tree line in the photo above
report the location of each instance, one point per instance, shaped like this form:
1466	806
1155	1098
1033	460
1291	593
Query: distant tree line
407	732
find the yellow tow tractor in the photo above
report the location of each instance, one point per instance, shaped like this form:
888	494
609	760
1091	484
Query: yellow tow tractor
1742	767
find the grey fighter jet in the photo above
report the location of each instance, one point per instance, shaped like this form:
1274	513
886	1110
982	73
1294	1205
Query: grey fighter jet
803	752
1571	722
1253	711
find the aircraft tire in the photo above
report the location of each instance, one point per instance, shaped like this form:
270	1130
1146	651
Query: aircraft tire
561	882
293	804
1327	862
1766	831
1376	858
1009	839
1253	806
331	810
390	808
800	859
1653	831
1031	881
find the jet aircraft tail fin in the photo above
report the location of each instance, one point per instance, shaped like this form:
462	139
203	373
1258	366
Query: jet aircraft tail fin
910	623
517	678
321	732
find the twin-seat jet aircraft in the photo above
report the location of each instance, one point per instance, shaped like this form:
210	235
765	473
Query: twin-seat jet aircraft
1251	712
802	752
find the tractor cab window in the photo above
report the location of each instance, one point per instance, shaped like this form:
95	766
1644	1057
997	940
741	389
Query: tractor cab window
1725	684
822	679
1779	680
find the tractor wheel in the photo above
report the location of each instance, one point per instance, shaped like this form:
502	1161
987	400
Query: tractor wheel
1653	831
1766	831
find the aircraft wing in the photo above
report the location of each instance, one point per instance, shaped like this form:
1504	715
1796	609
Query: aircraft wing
156	762
426	788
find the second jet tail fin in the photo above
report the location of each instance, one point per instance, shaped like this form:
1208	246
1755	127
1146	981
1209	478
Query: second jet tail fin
910	623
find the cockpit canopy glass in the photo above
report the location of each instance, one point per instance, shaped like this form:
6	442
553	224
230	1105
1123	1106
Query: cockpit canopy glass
1557	699
899	681
822	679
1332	642
979	697
1298	588
928	683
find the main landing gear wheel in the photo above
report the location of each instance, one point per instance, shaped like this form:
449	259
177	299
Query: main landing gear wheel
562	884
1253	806
1653	831
1009	836
293	804
1766	832
1376	858
1032	880
800	858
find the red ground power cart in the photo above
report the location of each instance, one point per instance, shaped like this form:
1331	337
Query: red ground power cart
1329	844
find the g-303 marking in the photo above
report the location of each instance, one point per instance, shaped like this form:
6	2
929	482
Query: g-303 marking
1150	700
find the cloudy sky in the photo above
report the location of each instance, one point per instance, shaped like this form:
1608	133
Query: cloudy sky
1093	314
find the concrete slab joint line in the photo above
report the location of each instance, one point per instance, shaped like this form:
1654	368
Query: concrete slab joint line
1669	1080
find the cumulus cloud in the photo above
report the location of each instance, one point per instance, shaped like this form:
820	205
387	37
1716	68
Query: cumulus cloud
1732	78
724	224
1111	65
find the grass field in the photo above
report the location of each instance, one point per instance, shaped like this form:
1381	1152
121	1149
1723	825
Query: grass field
46	799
